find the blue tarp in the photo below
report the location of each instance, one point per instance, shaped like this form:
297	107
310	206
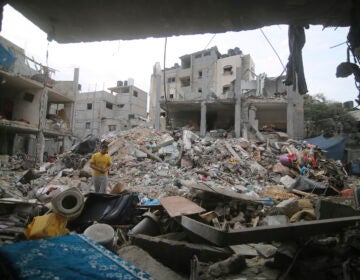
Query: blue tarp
334	146
6	57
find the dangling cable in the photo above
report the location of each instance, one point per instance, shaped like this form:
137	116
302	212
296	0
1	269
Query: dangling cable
166	102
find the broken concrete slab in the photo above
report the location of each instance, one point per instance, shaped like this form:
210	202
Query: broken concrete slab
266	250
244	250
287	207
177	254
277	220
217	190
140	258
287	181
165	140
232	265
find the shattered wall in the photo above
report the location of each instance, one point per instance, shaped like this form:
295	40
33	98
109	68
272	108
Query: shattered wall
25	105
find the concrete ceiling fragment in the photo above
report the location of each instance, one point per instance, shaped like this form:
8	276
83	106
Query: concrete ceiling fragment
92	20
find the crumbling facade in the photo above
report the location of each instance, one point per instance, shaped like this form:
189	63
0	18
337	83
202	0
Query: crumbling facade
215	91
36	111
101	112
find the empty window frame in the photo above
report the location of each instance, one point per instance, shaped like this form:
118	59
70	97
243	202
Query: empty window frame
135	93
228	70
121	106
171	80
87	125
200	73
28	97
109	105
185	81
226	89
198	55
112	127
89	106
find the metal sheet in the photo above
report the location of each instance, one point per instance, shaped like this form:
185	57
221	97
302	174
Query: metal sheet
178	206
267	233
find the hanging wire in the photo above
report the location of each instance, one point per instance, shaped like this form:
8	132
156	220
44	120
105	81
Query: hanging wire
338	45
165	93
273	48
47	54
210	41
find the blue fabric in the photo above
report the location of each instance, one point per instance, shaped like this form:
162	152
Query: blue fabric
334	146
66	257
6	57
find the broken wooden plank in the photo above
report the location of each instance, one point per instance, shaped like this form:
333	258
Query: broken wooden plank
267	233
295	191
177	206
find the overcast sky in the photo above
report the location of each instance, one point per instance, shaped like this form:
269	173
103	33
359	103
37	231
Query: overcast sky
103	63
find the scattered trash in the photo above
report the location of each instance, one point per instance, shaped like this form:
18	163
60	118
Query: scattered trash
173	189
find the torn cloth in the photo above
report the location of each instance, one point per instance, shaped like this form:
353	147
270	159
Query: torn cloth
294	69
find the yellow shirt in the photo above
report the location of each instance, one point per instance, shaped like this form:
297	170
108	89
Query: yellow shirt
101	161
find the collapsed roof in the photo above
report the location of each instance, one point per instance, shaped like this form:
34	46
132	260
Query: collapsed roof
92	20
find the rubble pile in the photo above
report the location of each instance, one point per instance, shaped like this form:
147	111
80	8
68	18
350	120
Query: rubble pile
229	207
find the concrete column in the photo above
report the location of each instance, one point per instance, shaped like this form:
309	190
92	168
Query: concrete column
71	114
295	114
40	147
18	144
252	117
40	139
69	111
237	124
76	81
31	147
203	119
157	79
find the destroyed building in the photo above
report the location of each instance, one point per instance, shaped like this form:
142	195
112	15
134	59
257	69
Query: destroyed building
236	209
211	91
100	112
36	111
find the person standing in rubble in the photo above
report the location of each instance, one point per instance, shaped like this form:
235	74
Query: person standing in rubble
100	164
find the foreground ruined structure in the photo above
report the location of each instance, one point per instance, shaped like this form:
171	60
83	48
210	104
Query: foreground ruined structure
36	111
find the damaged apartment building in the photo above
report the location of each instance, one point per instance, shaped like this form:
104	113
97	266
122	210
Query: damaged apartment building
211	91
100	112
36	112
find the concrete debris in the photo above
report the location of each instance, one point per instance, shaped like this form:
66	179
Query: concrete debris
145	262
173	194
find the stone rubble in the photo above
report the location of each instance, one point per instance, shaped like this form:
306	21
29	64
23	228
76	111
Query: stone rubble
280	183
